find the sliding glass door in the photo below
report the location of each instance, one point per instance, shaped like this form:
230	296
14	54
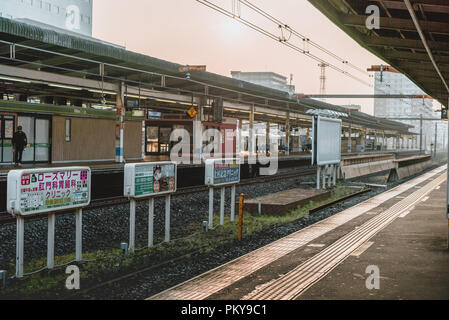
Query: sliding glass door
38	134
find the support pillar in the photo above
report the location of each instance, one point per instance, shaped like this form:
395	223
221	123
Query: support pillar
240	147
251	138
287	134
421	134
350	139
436	141
198	138
120	124
267	138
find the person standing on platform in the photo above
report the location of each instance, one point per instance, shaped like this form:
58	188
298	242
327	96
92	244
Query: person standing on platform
19	142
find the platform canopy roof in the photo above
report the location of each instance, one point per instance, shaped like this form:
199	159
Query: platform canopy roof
398	41
45	48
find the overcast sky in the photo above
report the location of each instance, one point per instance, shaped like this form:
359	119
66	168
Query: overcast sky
186	32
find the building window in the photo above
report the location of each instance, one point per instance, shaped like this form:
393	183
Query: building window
68	130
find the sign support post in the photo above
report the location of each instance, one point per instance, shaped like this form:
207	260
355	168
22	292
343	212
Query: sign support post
167	218
324	176
222	206
211	208
150	222
33	192
132	225
318	177
19	246
335	174
326	146
221	173
148	181
79	234
233	203
51	241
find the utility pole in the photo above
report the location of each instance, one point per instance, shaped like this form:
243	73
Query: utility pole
420	135
323	67
436	137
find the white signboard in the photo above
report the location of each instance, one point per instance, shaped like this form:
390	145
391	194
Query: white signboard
36	191
326	141
222	172
143	180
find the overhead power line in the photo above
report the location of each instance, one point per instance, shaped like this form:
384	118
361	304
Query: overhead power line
283	38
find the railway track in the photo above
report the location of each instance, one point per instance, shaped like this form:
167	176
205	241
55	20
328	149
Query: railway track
6	218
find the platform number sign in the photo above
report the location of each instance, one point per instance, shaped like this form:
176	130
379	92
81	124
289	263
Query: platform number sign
38	191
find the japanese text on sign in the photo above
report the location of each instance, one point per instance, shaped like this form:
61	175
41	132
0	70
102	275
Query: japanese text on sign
45	191
154	179
220	172
146	180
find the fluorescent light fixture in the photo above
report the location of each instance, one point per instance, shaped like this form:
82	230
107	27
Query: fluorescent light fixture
166	101
178	102
14	79
64	87
104	91
188	104
135	96
235	110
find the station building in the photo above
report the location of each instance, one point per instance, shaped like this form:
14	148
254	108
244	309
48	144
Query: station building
69	15
83	100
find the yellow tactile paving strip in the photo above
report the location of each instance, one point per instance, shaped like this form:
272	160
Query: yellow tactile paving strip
211	282
295	282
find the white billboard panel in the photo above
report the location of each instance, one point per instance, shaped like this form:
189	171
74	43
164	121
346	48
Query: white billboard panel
143	180
36	191
222	172
328	141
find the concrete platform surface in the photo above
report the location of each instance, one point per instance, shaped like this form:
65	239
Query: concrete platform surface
397	240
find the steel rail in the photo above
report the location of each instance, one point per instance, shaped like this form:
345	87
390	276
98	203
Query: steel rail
6	218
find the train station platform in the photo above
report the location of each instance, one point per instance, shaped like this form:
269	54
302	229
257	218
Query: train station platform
111	166
401	233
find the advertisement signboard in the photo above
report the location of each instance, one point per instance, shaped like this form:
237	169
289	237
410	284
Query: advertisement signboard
222	172
143	180
326	141
37	191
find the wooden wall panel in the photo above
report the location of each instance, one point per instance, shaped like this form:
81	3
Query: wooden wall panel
91	139
133	140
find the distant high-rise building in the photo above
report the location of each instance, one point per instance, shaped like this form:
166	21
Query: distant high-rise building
266	79
70	15
393	82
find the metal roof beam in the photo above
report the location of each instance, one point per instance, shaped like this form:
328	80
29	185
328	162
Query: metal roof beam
436	6
41	76
404	43
396	23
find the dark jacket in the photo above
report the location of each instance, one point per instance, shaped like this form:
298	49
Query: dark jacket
19	140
